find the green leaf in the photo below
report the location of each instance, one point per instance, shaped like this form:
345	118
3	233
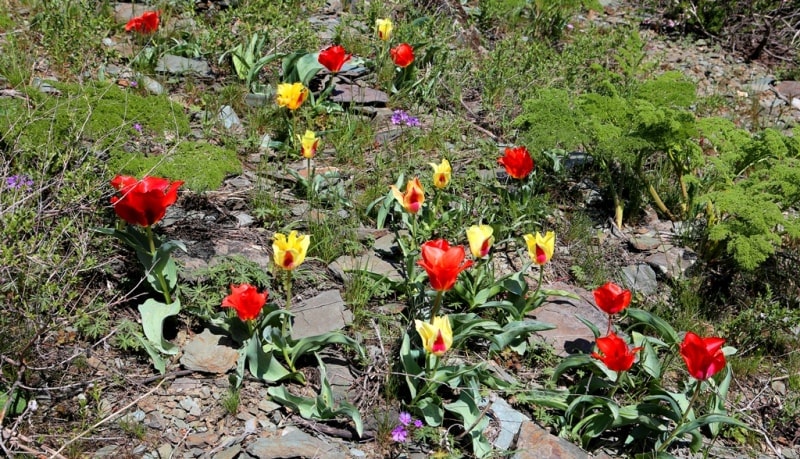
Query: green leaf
466	408
307	407
307	67
17	406
668	334
561	293
515	330
262	363
432	411
153	315
409	359
158	362
648	357
591	325
315	343
708	419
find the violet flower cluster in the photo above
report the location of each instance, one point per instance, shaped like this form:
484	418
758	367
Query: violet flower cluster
19	181
401	117
401	432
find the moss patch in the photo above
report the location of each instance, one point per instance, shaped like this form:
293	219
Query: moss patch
201	165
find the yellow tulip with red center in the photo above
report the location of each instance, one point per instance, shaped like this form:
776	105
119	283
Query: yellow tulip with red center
308	144
384	27
441	173
289	252
291	95
413	198
437	337
480	239
541	248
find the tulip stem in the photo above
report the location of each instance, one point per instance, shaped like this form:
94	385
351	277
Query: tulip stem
539	283
414	231
286	325
430	376
436	304
160	275
672	436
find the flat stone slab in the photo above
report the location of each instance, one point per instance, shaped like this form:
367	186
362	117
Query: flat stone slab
178	65
354	94
570	335
292	442
537	443
205	352
510	421
641	278
324	313
367	262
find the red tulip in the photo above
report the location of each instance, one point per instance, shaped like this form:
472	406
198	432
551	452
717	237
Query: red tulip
443	263
333	58
402	55
611	298
703	356
614	352
246	300
517	161
143	202
146	23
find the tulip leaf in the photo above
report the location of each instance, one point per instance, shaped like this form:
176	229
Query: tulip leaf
153	315
315	343
409	360
648	357
262	363
432	411
561	293
590	325
516	330
473	418
158	362
663	328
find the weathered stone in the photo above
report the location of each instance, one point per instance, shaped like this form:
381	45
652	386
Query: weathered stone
165	451
645	243
292	442
640	278
106	451
510	422
230	120
228	453
205	352
190	405
367	262
178	65
354	94
570	335
324	313
673	262
197	440
537	443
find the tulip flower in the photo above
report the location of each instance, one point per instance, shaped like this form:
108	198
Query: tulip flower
541	248
615	353
143	202
402	55
147	23
611	298
437	336
333	58
413	198
384	27
246	300
518	162
441	173
289	253
291	95
443	263
703	356
309	143
480	240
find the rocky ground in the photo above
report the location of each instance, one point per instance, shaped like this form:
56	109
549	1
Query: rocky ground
184	415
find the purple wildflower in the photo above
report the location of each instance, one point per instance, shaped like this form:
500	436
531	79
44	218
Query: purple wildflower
401	117
133	84
399	434
19	181
138	127
404	418
418	424
412	121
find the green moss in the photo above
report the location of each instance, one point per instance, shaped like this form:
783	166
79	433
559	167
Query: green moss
201	165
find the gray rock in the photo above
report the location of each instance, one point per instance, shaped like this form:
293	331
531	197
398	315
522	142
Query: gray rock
570	335
640	278
124	12
205	352
106	451
537	443
354	94
367	262
230	120
257	100
672	262
165	451
644	243
292	442
190	405
152	86
228	453
178	65
510	422
323	313
244	219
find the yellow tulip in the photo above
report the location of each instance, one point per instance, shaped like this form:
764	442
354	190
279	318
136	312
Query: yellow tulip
541	248
413	198
309	142
480	240
291	95
437	337
441	173
290	253
384	28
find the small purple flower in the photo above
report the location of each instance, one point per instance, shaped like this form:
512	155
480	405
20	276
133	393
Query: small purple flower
134	84
19	181
404	418
418	424
401	117
412	121
138	127
399	434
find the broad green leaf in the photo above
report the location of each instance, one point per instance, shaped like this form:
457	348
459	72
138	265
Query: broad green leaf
432	411
561	293
262	363
17	406
409	360
512	331
592	326
307	407
466	408
659	325
648	357
315	343
307	67
158	362
516	284
153	315
718	399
